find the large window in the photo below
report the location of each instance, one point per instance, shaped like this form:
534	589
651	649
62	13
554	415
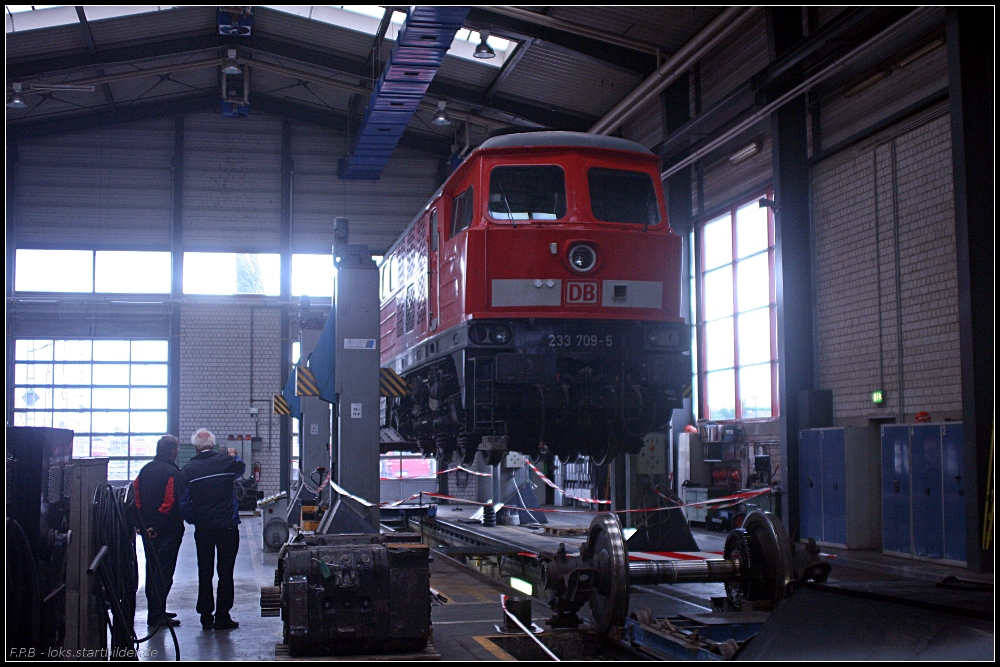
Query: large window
623	196
738	360
103	271
312	275
111	393
527	193
232	273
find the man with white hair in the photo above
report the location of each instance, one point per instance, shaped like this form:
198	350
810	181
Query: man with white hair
209	502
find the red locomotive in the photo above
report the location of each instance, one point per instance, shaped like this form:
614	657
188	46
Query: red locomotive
537	296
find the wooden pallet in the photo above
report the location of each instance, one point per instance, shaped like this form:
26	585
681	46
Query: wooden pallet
565	531
429	653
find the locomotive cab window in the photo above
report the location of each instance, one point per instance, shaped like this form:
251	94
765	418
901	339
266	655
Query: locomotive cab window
617	195
527	193
461	212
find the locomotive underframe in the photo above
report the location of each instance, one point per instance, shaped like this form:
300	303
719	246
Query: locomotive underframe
551	386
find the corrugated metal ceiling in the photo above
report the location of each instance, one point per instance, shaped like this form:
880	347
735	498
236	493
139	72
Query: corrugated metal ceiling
546	80
666	27
554	76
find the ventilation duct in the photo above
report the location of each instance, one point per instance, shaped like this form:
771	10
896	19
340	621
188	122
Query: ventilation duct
421	45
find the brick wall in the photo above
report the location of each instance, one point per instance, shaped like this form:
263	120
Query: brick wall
462	484
855	275
216	371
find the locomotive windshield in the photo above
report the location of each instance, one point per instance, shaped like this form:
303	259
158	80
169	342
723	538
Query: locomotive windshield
623	196
527	193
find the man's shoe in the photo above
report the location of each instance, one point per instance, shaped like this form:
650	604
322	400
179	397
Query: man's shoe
226	624
207	622
165	621
170	614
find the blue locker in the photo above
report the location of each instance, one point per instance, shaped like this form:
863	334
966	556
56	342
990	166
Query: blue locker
953	493
925	480
838	487
834	487
810	485
896	489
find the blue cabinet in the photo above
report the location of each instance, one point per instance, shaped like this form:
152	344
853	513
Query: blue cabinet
810	484
953	490
923	491
838	487
896	489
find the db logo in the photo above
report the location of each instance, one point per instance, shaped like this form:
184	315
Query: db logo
581	291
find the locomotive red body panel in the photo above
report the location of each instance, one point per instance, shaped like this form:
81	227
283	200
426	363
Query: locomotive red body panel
559	244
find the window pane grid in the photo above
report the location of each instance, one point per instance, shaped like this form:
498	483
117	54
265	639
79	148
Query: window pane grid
111	393
736	311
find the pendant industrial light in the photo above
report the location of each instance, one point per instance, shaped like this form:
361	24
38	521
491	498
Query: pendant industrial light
484	50
441	117
15	101
232	66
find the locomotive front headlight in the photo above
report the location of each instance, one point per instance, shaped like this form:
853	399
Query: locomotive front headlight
663	337
479	334
500	335
582	258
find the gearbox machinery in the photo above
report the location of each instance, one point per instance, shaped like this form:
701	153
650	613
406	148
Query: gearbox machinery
351	594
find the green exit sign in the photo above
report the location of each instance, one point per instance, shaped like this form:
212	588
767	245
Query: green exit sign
877	397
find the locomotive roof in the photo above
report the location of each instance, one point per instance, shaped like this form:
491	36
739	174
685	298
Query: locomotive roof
584	139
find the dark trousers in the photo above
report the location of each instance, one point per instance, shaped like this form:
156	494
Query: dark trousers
225	541
161	559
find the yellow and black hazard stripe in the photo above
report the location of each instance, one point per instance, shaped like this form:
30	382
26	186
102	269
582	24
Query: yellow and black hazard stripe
279	405
305	382
391	384
687	391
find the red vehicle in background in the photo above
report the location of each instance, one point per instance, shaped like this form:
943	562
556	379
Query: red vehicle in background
537	296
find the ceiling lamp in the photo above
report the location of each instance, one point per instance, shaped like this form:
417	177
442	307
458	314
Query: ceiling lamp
484	50
232	66
15	101
742	154
441	117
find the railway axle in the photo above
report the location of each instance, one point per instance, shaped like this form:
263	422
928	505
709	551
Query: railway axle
757	566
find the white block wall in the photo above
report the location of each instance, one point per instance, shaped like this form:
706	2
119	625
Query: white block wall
461	484
848	279
216	371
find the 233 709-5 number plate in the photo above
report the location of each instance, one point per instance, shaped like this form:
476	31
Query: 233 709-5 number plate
581	340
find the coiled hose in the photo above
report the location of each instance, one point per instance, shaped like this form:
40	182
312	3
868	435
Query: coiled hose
118	572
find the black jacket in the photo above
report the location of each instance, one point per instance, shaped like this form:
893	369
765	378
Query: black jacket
209	498
158	489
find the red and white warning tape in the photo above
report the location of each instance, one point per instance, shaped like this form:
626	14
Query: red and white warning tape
441	472
551	484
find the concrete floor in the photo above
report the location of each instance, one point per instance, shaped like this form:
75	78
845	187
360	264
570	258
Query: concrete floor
472	609
253	640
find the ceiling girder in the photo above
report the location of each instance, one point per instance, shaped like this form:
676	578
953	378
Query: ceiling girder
529	111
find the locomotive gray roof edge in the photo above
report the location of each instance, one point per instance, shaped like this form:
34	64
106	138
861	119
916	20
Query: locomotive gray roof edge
528	139
562	138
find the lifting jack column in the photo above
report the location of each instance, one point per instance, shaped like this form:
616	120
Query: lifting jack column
356	307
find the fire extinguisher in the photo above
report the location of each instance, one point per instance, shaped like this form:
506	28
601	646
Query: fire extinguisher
256	473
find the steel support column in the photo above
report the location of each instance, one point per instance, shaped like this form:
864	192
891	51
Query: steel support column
284	421
792	260
176	282
677	112
11	238
970	36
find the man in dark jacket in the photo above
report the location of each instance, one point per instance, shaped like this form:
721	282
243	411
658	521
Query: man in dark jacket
210	503
157	490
